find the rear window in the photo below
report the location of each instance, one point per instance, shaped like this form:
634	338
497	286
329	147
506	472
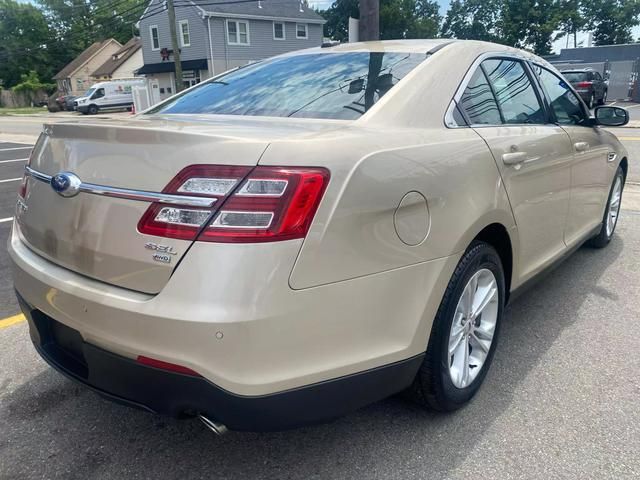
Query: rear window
574	77
323	85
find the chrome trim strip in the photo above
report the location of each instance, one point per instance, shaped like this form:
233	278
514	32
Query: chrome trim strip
130	194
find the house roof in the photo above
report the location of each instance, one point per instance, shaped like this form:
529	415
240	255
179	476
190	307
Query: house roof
81	59
118	58
164	67
285	9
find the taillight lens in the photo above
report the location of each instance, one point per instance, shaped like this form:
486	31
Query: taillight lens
583	84
184	222
267	204
273	203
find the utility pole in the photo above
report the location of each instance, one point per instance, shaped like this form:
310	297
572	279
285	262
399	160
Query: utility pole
174	44
369	25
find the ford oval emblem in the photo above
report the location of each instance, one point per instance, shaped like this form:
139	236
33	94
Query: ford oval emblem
66	184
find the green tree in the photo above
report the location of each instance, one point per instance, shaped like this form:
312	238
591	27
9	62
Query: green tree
398	19
530	24
24	42
570	19
474	20
79	23
612	21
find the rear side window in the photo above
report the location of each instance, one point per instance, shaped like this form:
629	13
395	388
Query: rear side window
574	77
319	85
517	98
566	106
478	102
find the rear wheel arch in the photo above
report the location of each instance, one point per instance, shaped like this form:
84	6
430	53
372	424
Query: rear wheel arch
624	164
498	237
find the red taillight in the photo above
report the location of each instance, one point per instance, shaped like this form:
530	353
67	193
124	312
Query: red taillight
22	190
268	204
273	203
183	222
171	367
583	84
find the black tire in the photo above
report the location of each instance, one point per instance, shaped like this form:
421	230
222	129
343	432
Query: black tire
603	100
93	109
603	238
433	387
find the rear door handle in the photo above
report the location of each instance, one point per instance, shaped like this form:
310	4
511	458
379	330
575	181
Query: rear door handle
514	158
581	146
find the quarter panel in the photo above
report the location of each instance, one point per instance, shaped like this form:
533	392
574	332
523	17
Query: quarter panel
354	235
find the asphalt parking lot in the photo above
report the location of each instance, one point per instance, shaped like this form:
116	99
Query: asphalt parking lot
561	400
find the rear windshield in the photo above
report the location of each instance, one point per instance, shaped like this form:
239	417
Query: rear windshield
574	77
322	85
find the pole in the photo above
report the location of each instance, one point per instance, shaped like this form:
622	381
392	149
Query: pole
369	25
174	44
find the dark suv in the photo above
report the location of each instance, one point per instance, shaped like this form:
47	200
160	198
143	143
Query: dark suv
589	84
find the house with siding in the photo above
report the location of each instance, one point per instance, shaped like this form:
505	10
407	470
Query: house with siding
122	64
215	36
75	78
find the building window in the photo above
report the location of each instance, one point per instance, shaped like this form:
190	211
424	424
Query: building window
278	31
185	38
301	30
155	38
237	32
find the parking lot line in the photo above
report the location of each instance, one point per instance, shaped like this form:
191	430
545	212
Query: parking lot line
15	148
629	138
15	160
10	180
4	220
7	322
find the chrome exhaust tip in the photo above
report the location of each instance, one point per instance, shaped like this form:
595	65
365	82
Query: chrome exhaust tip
216	427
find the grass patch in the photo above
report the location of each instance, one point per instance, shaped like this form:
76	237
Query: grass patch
22	111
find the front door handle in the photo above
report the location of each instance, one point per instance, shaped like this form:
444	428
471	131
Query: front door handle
581	146
514	158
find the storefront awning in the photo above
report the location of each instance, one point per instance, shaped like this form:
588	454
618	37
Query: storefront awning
169	66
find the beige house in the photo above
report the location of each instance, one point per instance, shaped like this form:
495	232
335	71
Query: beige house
75	78
123	63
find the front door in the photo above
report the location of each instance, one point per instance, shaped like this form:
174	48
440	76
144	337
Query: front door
591	173
533	156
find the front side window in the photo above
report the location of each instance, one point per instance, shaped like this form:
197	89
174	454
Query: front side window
517	98
278	31
185	37
99	93
237	32
317	85
565	104
301	30
155	38
478	102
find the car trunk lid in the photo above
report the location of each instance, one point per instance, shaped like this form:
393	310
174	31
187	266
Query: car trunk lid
96	235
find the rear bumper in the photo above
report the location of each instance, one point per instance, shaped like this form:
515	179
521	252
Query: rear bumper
125	381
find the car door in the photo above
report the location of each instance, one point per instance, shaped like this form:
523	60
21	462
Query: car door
98	97
533	155
599	83
590	170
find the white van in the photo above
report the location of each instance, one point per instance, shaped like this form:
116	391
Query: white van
111	95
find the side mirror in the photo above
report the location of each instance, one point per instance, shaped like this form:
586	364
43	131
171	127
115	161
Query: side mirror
611	116
356	86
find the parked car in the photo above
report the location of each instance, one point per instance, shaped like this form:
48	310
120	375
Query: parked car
589	84
65	102
108	96
292	240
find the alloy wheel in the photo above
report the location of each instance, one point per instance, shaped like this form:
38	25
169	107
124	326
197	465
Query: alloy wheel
473	328
613	209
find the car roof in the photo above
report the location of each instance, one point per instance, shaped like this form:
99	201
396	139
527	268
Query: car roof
404	46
